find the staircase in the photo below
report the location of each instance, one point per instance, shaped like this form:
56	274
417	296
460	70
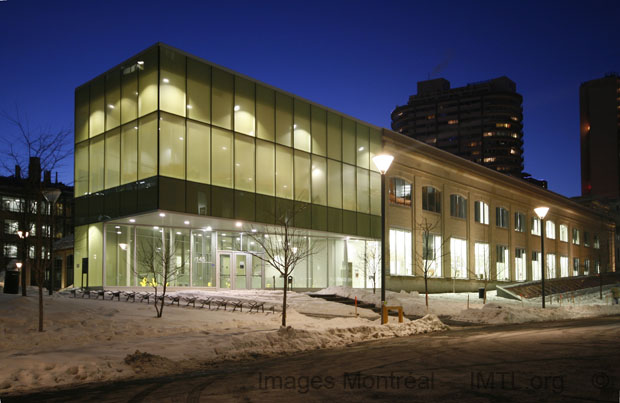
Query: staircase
560	285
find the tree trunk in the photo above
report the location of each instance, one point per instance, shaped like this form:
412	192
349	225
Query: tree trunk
40	306
374	283
284	301
426	289
163	299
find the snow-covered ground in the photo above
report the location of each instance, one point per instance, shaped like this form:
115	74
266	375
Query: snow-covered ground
88	340
467	307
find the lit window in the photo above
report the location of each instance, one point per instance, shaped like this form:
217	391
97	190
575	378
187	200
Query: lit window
400	252
453	122
506	125
597	242
519	222
10	250
586	266
12	204
488	134
536	259
563	233
514	118
431	199
430	117
481	254
563	266
11	227
576	238
489	159
550	265
400	192
586	239
458	206
458	258
431	254
550	230
520	274
575	266
515	135
502	219
535	226
502	267
481	212
513	151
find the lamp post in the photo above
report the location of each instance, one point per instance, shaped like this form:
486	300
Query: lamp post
383	162
51	195
23	235
541	212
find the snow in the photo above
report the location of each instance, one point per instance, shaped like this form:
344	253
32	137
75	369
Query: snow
88	340
467	307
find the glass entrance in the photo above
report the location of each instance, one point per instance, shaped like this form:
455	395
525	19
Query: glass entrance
238	271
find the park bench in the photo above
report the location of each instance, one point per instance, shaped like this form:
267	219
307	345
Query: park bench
131	295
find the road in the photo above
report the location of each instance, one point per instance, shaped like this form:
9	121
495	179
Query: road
574	360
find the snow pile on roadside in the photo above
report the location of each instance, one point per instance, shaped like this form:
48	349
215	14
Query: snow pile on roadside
94	340
498	313
497	310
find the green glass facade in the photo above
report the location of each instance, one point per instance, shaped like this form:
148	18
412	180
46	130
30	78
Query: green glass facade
166	131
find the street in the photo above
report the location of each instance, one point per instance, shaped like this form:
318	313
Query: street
573	360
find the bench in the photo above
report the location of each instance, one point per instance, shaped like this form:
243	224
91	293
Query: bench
190	300
256	305
130	296
220	303
237	304
174	299
99	293
205	301
145	296
386	309
115	294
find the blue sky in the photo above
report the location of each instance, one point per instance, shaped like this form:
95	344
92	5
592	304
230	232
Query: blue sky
361	58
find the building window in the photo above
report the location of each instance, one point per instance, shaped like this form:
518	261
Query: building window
400	192
563	266
458	258
431	199
10	250
11	227
400	252
575	266
31	251
597	242
586	239
536	259
586	266
576	239
501	217
502	267
519	222
431	254
550	230
563	233
481	212
520	274
458	206
481	251
597	267
550	265
12	204
535	226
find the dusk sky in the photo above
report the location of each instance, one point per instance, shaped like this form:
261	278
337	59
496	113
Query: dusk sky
360	58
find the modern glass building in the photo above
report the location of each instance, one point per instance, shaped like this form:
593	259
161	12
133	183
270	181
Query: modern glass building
170	148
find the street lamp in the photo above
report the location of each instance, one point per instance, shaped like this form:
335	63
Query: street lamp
541	212
383	162
18	265
51	195
23	235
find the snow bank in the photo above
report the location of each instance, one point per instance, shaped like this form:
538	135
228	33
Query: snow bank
94	340
467	307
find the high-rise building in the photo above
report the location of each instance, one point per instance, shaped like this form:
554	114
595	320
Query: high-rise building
599	107
481	122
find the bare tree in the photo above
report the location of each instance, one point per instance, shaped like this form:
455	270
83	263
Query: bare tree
283	247
430	252
51	147
157	258
372	262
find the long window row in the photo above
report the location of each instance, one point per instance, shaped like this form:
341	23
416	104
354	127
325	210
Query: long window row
400	193
201	153
429	263
166	80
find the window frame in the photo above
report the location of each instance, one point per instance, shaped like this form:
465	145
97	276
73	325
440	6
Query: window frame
431	204
481	212
458	206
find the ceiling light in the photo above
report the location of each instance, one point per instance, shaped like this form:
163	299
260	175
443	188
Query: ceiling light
238	224
156	227
178	232
117	226
162	214
237	107
254	230
132	220
140	62
186	222
165	80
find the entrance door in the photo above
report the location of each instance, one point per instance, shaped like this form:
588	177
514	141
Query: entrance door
239	271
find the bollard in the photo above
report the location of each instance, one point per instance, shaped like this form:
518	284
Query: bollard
356	307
